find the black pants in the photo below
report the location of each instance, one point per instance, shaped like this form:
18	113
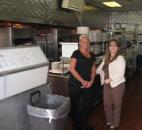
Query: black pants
81	102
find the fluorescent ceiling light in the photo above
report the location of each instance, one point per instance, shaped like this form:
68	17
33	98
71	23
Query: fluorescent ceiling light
112	4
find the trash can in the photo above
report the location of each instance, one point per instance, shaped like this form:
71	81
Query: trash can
48	112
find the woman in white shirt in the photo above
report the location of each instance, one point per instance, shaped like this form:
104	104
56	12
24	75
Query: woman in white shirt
112	70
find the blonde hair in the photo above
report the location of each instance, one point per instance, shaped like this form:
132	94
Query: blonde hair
84	35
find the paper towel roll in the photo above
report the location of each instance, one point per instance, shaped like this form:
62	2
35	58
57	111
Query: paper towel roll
82	30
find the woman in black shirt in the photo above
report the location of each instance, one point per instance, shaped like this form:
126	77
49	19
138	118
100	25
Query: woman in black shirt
82	76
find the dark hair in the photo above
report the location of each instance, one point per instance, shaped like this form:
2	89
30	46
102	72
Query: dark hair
108	55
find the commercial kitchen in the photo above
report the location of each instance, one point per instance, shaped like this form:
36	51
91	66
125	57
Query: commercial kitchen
37	39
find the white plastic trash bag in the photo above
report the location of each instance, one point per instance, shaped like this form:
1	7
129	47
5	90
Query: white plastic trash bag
49	106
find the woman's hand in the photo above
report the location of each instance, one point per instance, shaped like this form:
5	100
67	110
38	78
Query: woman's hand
84	83
89	84
107	81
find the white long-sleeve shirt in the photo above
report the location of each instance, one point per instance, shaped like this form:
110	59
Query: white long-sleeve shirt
116	71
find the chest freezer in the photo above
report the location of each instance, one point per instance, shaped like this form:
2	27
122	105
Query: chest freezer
21	69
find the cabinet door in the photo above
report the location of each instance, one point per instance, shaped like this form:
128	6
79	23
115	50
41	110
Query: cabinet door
59	85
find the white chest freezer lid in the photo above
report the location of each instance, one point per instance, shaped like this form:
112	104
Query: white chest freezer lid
19	58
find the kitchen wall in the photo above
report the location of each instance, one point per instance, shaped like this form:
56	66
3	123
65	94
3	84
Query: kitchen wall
48	12
127	17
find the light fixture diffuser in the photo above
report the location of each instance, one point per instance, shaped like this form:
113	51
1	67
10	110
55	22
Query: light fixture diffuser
112	4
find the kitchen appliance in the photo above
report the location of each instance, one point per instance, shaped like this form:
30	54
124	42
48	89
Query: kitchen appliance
47	40
68	48
138	47
23	36
18	66
5	37
56	65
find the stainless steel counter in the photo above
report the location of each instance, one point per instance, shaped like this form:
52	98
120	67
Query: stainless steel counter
66	76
